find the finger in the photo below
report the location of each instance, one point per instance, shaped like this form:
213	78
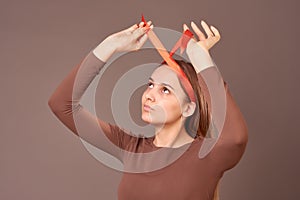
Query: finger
141	24
148	28
207	29
142	40
151	27
216	32
132	28
185	27
140	31
149	23
198	32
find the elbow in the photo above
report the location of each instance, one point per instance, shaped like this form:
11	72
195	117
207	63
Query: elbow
238	136
242	138
53	105
244	133
62	107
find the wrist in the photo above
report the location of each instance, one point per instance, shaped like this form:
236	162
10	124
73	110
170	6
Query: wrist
105	49
199	57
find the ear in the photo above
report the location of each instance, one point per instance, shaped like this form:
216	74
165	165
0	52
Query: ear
189	109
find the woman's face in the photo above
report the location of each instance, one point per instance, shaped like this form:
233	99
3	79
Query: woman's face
164	98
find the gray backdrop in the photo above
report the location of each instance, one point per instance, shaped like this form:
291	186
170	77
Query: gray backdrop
41	41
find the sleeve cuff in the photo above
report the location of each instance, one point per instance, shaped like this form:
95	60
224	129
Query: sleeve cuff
199	57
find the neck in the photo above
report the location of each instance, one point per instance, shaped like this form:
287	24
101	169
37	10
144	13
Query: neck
171	135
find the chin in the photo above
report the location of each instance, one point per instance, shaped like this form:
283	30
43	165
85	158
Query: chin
149	120
146	118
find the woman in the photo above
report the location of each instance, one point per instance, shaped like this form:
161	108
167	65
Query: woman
181	119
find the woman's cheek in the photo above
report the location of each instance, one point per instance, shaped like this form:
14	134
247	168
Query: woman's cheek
159	114
170	110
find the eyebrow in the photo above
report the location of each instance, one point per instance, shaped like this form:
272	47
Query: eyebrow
164	84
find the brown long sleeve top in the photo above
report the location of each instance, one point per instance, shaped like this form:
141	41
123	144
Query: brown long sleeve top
151	176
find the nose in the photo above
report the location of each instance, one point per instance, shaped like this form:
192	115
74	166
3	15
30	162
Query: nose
149	95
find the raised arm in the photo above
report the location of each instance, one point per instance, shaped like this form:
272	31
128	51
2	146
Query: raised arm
65	101
230	124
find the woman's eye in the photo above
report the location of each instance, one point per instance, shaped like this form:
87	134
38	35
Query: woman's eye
150	85
165	90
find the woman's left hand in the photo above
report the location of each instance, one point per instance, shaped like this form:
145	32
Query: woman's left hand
206	42
198	49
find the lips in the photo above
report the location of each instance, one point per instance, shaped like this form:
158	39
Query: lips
147	108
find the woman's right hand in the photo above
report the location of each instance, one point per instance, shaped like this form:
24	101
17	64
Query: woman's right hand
130	39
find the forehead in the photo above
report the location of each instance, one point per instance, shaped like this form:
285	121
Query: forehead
164	74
